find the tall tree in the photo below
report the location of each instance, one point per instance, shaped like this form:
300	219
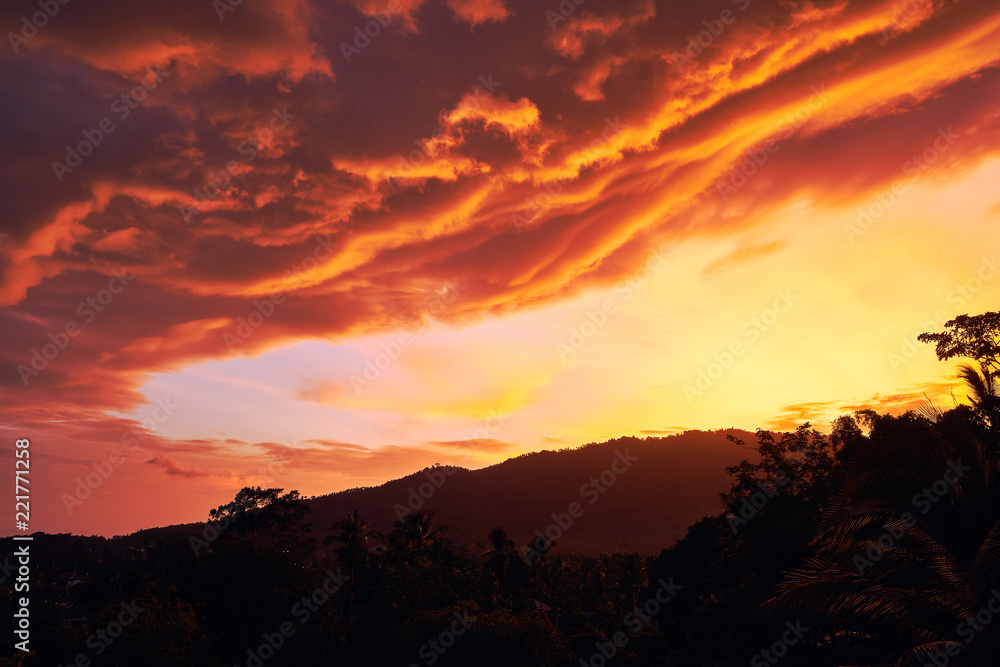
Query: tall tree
266	515
972	336
415	531
354	538
975	337
503	560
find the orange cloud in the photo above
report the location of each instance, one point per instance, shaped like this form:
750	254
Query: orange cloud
479	11
570	37
488	445
389	9
172	467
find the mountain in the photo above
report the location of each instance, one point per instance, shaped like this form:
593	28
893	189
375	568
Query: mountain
671	483
652	490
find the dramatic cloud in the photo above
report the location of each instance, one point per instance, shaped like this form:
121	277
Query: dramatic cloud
405	220
479	11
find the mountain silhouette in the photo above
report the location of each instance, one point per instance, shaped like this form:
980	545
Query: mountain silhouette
673	482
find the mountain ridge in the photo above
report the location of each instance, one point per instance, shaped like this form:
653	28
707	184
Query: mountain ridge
673	482
637	512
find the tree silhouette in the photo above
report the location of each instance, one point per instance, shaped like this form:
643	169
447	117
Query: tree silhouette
976	337
503	560
415	532
266	515
911	542
354	538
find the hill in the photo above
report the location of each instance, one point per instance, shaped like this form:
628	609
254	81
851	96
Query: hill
668	484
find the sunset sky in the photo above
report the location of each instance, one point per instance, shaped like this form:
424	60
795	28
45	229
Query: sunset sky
321	245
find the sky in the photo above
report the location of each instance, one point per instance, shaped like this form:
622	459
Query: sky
317	245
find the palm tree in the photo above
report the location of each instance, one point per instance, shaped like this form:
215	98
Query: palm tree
504	561
414	531
974	337
910	545
984	399
354	537
496	557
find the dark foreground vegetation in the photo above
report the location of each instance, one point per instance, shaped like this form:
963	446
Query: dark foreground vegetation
878	544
